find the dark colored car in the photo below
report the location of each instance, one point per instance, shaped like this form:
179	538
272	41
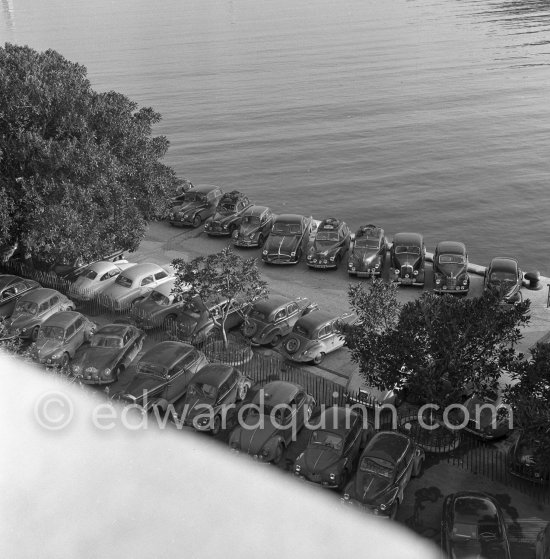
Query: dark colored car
35	307
504	275
199	204
254	228
523	463
314	335
178	197
542	544
332	450
213	391
60	336
473	525
450	267
407	259
111	349
228	215
159	308
330	244
368	252
386	465
195	322
270	320
163	374
12	288
287	239
279	410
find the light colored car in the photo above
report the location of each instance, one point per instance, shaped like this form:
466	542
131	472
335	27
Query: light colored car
60	336
359	392
34	308
132	284
96	278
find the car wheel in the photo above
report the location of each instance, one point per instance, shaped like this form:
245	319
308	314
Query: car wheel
275	340
278	454
216	428
34	333
197	220
318	359
292	345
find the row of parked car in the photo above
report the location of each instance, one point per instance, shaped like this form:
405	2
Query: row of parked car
285	238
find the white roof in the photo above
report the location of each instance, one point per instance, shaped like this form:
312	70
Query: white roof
141	270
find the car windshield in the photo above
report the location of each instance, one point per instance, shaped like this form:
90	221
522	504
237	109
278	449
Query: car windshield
123	281
190	196
503	277
159	298
363	242
226	208
376	466
299	329
90	274
475	520
327	236
29	307
251	220
106	341
327	438
203	390
51	333
402	249
286	229
153	369
451	259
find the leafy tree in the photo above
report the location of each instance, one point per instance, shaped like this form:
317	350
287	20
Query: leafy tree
224	275
80	171
529	398
437	346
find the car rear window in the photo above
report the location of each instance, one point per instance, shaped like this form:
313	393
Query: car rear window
90	274
407	250
451	259
123	281
106	341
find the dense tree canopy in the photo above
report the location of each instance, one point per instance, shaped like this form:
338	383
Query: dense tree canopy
80	171
436	346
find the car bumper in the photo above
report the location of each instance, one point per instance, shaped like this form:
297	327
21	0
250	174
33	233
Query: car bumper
181	222
365	273
279	260
317	481
246	242
409	281
213	233
373	511
98	381
322	266
452	290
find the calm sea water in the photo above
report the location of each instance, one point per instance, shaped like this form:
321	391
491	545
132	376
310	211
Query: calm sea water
425	115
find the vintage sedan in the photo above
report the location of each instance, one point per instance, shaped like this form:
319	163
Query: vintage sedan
159	308
314	335
60	336
386	465
287	239
473	525
199	204
333	449
133	284
34	308
368	252
254	228
163	374
12	288
228	215
110	351
523	462
213	392
270	320
450	268
505	276
195	321
278	412
97	277
407	259
330	244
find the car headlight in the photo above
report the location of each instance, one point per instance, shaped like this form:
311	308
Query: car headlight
396	271
251	236
332	258
437	281
107	372
346	496
309	256
350	264
332	477
225	226
77	368
23	330
293	253
415	272
264	453
56	355
234	445
297	468
264	252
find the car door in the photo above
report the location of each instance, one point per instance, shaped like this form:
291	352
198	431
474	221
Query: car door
179	378
293	314
405	468
79	334
147	284
131	346
10	295
326	337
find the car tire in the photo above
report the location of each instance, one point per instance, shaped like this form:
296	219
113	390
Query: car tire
197	220
292	345
275	340
319	358
216	428
34	333
278	456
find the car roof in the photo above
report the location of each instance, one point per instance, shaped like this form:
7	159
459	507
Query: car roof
279	391
137	270
7	279
330	224
269	305
167	353
101	267
339	416
214	374
289	218
205	188
414	238
504	264
451	247
317	318
113	329
388	446
232	196
465	499
370	231
40	294
255	210
62	318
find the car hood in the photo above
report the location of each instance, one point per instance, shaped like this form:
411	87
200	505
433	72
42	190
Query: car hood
361	255
252	441
370	488
196	406
46	347
407	259
248	229
222	218
24	320
143	384
325	248
189	206
98	357
320	458
282	244
451	270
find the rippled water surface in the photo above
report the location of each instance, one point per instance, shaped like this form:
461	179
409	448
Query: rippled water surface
426	115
